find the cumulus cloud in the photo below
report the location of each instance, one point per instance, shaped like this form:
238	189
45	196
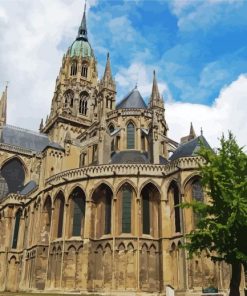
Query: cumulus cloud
228	112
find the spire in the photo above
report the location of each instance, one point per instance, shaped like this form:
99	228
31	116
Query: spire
82	32
155	99
107	80
107	75
192	134
3	107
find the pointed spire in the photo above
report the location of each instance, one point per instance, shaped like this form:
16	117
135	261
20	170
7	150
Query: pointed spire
3	106
155	96
108	74
192	134
107	80
82	32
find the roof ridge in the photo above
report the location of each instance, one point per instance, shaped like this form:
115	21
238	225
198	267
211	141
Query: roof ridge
26	130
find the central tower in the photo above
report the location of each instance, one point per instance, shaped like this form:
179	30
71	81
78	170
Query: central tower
74	105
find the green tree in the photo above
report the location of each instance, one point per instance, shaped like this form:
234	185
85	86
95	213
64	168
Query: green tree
221	231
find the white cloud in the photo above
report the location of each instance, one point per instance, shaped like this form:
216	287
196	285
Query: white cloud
227	113
32	33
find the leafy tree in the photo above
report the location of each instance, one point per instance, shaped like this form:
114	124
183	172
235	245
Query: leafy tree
221	231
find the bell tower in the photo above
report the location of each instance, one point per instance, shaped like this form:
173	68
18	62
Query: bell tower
74	102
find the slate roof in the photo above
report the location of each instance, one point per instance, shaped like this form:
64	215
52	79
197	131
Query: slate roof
190	148
26	139
132	101
133	156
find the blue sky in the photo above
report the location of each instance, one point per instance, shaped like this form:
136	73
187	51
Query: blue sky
197	47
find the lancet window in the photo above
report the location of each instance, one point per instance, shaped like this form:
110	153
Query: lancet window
197	195
16	229
130	136
73	69
83	104
84	71
126	208
77	211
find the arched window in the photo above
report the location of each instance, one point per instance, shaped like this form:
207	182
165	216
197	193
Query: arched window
83	104
16	229
197	195
78	211
126	209
14	174
111	128
59	208
174	197
73	69
130	136
102	197
150	209
69	98
84	71
46	221
3	187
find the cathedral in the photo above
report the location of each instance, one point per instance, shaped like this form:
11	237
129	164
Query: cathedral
89	203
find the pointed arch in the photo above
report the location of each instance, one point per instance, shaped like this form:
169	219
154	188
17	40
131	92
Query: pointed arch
174	197
127	194
83	103
102	196
46	217
130	135
77	201
13	171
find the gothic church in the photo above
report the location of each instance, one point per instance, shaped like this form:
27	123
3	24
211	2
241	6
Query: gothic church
88	203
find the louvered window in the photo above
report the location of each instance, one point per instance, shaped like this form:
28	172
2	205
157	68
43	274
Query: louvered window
130	136
16	229
126	210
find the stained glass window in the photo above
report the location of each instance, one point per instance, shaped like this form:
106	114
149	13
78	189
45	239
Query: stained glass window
126	209
130	136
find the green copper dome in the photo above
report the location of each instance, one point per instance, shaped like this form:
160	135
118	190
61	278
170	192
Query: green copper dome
81	48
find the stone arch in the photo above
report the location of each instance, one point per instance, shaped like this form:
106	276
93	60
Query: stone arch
102	211
130	247
102	182
14	171
150	181
68	98
190	179
84	103
174	198
126	182
77	208
107	266
121	246
150	208
11	283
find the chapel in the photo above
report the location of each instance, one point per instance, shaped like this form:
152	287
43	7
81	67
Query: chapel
89	203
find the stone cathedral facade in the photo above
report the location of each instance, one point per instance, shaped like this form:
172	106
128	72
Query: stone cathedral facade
88	203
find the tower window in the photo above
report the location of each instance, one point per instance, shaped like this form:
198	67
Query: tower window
69	98
84	71
83	104
73	69
130	136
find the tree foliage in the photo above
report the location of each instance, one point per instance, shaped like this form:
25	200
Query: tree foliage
222	229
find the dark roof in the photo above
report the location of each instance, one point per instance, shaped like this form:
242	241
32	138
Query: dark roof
132	101
30	186
190	148
26	139
133	156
